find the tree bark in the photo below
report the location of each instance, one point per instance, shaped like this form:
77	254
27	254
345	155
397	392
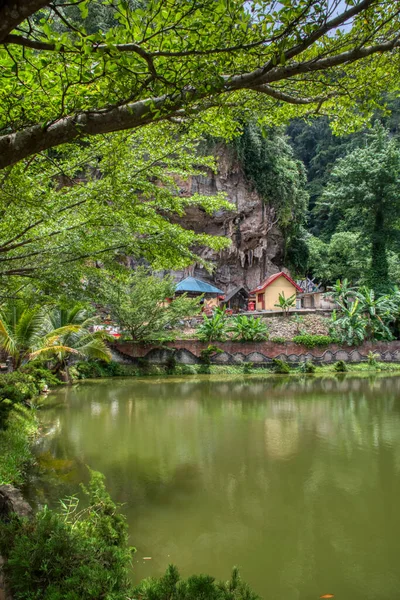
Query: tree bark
13	12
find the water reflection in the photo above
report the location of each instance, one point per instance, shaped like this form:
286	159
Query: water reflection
296	480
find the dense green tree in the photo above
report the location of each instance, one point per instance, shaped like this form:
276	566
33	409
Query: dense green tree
143	304
118	196
365	190
345	255
169	59
318	148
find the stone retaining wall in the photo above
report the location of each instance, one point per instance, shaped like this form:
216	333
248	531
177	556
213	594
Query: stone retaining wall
188	352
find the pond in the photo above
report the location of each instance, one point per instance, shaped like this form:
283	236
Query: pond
294	480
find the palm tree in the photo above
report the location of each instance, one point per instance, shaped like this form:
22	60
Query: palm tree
20	328
67	333
54	333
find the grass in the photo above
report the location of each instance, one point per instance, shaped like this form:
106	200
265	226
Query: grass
15	444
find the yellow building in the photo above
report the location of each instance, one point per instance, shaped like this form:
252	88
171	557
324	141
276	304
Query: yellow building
267	294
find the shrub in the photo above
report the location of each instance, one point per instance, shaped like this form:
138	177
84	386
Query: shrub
281	366
278	340
299	320
207	353
41	375
340	366
248	329
78	555
171	363
247	367
197	587
15	443
286	304
21	387
92	369
307	367
312	341
372	359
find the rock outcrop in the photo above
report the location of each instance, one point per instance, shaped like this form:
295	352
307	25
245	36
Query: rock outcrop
257	243
12	501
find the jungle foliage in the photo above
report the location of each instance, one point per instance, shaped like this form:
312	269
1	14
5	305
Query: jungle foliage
363	315
354	186
94	67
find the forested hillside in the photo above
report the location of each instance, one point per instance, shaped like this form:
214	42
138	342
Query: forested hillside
353	181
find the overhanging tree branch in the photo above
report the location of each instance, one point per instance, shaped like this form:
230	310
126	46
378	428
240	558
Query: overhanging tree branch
14	12
19	145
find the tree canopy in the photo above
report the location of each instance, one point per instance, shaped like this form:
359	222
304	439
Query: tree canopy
63	79
96	204
363	196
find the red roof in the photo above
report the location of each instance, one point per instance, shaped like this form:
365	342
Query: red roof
272	278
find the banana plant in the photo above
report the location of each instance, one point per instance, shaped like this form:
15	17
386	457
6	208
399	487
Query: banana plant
248	329
213	328
286	304
341	292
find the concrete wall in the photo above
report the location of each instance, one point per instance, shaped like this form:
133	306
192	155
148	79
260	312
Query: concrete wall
271	293
188	352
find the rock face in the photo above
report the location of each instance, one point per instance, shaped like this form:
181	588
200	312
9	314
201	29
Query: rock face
257	244
12	501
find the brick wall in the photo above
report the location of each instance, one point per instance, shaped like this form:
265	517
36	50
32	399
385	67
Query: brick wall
188	351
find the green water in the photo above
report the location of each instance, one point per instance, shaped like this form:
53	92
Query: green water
295	481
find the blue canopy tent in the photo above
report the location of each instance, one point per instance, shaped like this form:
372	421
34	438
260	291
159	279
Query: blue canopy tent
191	285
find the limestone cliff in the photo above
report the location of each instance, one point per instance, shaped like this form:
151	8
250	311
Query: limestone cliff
256	249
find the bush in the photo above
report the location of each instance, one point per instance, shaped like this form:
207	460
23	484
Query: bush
373	359
78	555
312	341
197	587
247	367
340	366
171	363
248	329
92	369
20	387
207	353
307	367
41	375
15	444
281	366
278	340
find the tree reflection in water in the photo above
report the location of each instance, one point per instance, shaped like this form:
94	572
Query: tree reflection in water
294	479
